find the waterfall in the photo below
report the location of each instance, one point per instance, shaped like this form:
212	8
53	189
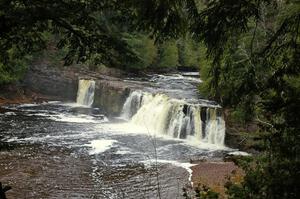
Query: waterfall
176	118
131	105
215	128
85	93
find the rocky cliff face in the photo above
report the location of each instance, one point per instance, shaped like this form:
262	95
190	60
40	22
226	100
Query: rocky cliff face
110	96
62	83
51	81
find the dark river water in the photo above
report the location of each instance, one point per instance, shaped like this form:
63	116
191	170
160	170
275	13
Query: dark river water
60	150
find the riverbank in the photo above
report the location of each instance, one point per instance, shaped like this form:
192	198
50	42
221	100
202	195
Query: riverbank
212	174
110	94
17	94
215	174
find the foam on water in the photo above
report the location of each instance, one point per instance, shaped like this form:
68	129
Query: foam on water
76	118
10	113
52	102
241	153
47	138
27	105
99	146
187	166
45	114
123	151
129	128
79	118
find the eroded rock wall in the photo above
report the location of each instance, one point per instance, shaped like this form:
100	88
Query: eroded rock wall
109	97
53	82
110	92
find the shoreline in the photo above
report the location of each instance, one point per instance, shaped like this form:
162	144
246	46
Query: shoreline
215	174
212	173
14	94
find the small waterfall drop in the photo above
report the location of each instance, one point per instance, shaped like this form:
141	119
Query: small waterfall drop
85	93
215	128
132	104
176	118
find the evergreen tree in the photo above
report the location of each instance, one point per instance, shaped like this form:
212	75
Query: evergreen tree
189	53
145	50
168	55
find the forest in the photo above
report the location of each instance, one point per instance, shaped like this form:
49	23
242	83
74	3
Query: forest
247	52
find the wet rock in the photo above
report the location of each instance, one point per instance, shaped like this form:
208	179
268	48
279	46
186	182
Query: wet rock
52	81
110	97
110	92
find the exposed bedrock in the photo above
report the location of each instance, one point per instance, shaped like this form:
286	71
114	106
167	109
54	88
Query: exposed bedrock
50	81
110	92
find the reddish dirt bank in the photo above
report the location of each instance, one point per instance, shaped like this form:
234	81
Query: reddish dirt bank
215	175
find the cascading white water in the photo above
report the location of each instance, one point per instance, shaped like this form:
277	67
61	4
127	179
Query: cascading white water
215	128
85	93
176	118
132	104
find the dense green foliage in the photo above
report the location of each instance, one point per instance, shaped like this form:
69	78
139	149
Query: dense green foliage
253	47
189	53
99	32
201	192
255	72
253	51
81	25
158	56
168	55
14	69
144	48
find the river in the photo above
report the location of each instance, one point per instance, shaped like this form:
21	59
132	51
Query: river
73	150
